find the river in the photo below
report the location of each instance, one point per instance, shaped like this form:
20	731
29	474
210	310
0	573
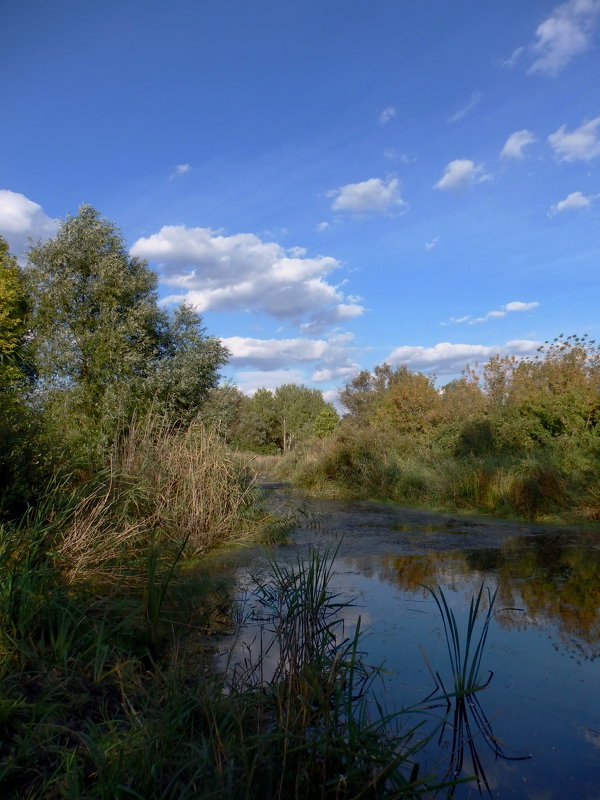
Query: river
535	729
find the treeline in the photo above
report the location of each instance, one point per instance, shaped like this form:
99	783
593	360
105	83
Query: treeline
269	422
513	436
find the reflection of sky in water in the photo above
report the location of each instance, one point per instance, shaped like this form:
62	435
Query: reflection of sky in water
544	697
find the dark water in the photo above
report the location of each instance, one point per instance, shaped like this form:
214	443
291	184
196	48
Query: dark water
543	648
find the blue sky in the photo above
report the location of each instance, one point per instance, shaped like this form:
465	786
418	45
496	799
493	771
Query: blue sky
333	184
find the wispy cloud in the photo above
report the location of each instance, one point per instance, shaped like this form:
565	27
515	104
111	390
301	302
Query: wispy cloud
513	57
497	313
460	174
582	144
566	33
372	196
473	101
572	202
433	243
393	155
180	169
387	115
516	142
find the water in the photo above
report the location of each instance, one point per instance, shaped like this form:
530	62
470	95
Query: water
543	648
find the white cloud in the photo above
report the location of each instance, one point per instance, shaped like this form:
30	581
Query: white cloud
513	57
497	313
571	202
445	358
517	305
180	169
461	173
322	226
582	144
393	155
330	358
21	219
374	195
516	142
433	243
249	381
473	101
387	115
241	272
566	33
325	319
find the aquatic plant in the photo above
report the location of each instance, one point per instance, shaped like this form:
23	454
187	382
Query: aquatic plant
464	712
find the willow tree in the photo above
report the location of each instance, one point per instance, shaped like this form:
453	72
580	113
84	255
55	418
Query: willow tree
103	345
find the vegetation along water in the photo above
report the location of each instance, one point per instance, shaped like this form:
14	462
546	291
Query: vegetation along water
126	468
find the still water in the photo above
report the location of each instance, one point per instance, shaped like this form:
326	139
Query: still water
536	729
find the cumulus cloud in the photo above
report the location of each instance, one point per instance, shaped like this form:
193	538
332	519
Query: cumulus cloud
516	142
328	358
473	101
446	358
21	220
582	144
571	202
387	115
372	196
322	226
566	33
433	243
497	313
461	173
242	272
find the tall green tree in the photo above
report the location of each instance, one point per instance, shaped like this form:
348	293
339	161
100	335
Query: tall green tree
95	316
14	320
103	346
19	456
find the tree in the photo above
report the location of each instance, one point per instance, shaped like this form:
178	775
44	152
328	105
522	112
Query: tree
19	457
296	408
103	346
14	313
326	422
95	315
188	365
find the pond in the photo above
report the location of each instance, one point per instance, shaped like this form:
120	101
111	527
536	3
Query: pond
535	730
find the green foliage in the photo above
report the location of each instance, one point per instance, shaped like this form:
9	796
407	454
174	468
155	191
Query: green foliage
325	422
516	437
279	420
14	321
104	350
95	314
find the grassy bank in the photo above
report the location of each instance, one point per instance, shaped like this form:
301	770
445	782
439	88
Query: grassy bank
107	684
363	464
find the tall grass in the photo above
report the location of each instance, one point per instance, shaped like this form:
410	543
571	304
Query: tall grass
364	464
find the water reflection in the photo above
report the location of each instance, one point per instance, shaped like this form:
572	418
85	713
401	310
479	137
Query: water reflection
547	578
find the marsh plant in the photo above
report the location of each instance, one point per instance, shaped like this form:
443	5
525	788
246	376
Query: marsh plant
315	698
465	716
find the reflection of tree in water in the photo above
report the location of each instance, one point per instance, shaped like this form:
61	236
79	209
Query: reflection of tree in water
549	577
